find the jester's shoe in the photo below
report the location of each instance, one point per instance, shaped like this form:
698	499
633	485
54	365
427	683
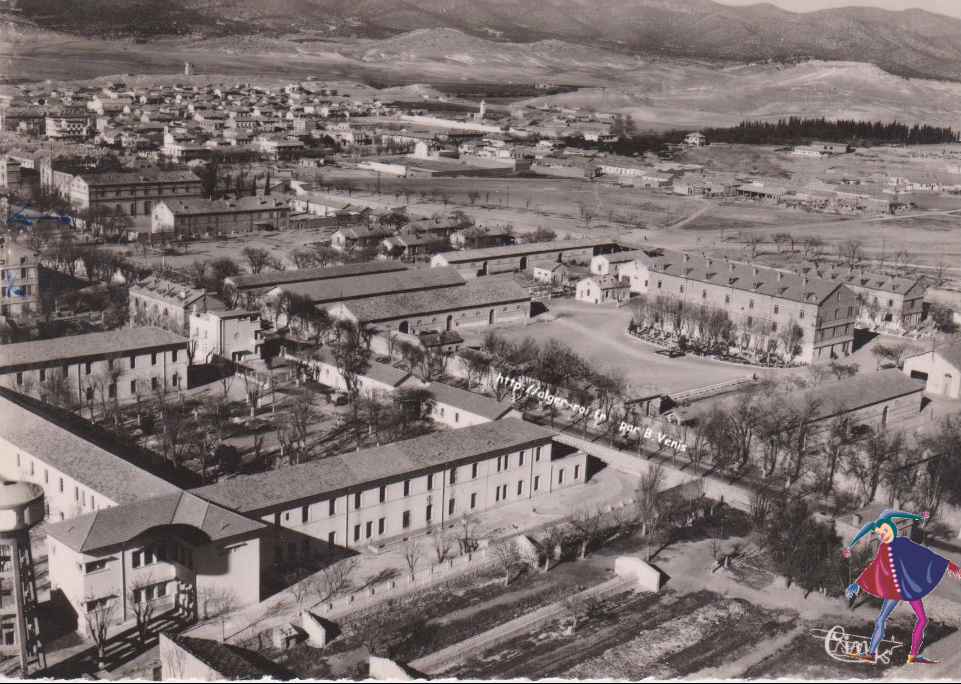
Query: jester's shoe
867	658
921	660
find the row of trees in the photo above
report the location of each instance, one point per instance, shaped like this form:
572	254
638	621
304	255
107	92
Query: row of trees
712	327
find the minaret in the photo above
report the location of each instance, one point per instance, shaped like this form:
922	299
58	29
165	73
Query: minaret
483	110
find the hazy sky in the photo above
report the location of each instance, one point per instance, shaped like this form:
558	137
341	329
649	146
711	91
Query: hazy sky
950	7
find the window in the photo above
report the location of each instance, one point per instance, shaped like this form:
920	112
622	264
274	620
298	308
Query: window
356	532
577	471
383	493
406	487
520	459
750	304
133	361
304	514
450	507
498	464
153	359
61	485
777	309
497	494
703	294
133	386
560	476
537	454
473	500
658	284
43	374
453	475
473	471
46	476
428	512
537	482
430	481
19	378
405	520
95	566
154	383
369	530
175	379
456	417
331	538
87	368
520	487
801	314
173	356
727	299
76	493
66	370
356	501
112	390
381	525
331	507
110	363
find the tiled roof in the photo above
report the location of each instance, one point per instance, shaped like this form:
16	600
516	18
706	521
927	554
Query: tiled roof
475	293
120	524
329	476
232	662
200	206
100	344
167	290
143	176
368	285
380	372
861	390
302	275
744	276
520	250
46	434
867	279
608	282
471	402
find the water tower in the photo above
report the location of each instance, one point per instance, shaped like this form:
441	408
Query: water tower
21	508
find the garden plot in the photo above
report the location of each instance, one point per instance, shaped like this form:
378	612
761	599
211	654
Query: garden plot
632	636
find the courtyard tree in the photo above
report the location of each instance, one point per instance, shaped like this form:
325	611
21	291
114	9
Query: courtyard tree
836	444
851	252
141	607
413	555
257	258
476	364
351	356
588	525
334	579
99	615
867	464
505	556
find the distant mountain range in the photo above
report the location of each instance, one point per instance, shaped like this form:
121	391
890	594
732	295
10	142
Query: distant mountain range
908	43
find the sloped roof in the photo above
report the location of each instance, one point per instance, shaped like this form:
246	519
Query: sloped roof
744	276
231	662
45	433
168	291
372	284
59	349
273	278
520	250
198	206
143	176
358	469
120	524
862	390
475	293
471	402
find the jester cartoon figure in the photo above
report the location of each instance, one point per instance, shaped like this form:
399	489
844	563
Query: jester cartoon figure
902	571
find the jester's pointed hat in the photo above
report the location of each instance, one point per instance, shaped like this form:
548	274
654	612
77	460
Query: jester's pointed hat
887	517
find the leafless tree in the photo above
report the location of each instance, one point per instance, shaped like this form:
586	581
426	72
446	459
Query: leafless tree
851	252
142	608
99	615
466	536
551	543
334	579
588	524
413	554
442	542
505	556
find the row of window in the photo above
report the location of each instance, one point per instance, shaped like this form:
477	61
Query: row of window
79	495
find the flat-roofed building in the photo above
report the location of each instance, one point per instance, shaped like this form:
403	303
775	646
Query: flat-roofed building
198	217
459	408
134	193
481	262
399	489
224	333
479	302
603	289
116	365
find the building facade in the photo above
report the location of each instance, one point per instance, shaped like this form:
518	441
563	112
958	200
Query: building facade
19	279
132	193
201	217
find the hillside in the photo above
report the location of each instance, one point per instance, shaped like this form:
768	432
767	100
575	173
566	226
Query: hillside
912	42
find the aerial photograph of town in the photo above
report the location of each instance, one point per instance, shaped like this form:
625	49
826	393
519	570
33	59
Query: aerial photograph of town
480	340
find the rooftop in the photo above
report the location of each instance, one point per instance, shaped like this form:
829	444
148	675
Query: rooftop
121	524
861	390
58	439
231	662
520	250
475	293
743	276
200	206
471	402
330	476
273	278
368	285
91	345
142	176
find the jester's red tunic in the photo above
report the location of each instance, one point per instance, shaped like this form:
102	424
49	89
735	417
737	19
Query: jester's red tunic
903	571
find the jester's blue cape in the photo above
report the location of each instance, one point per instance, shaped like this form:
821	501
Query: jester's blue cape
903	571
